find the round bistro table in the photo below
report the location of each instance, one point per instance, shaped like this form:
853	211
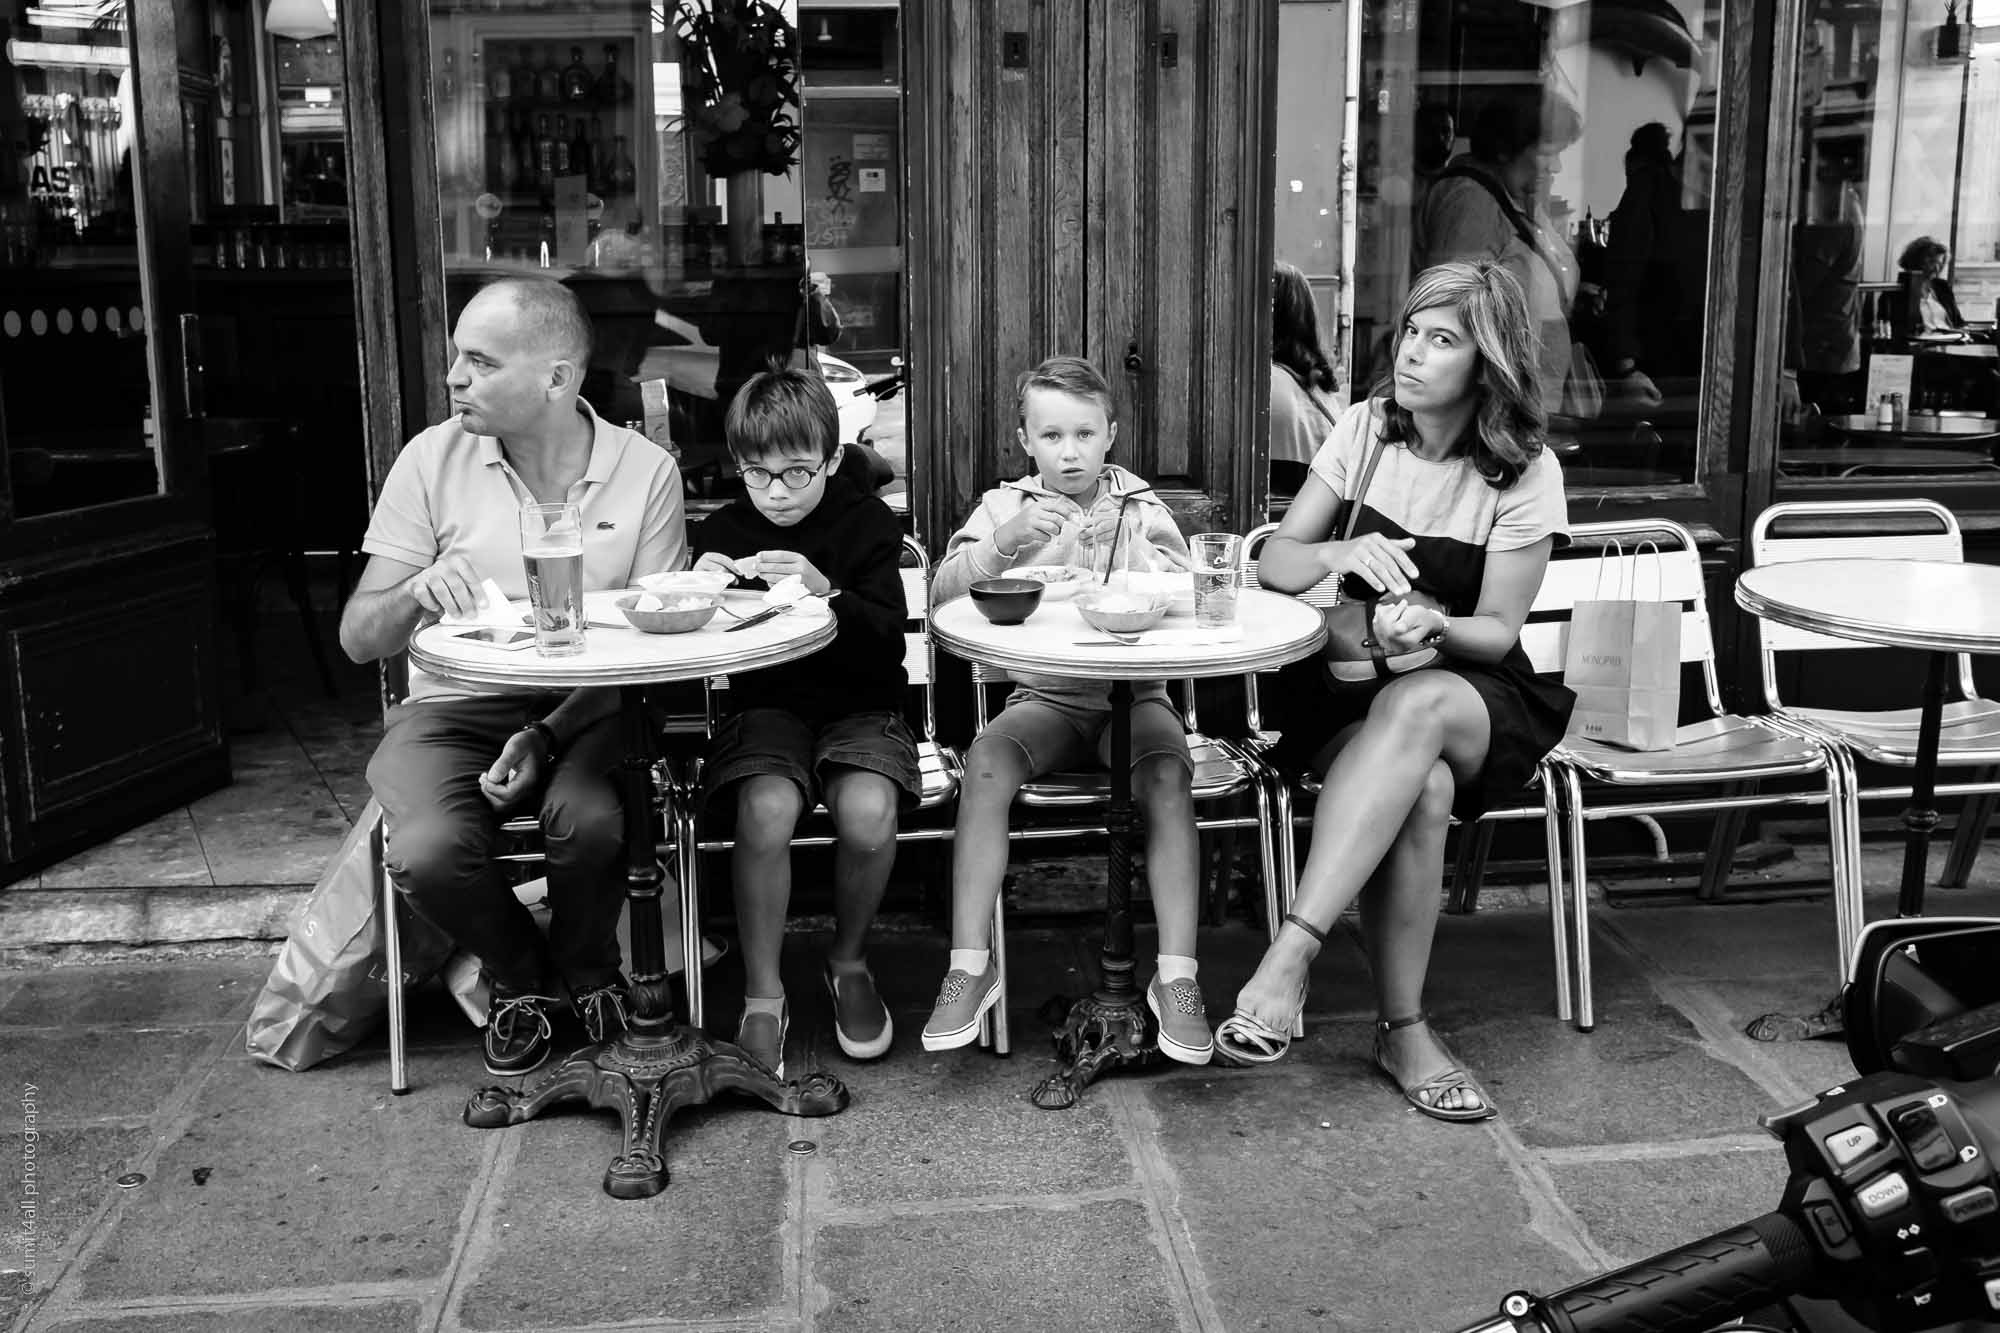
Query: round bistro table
1942	607
658	1065
1109	1028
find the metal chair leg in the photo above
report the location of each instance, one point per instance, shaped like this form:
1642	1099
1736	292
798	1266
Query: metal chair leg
1971	831
392	949
1278	898
1475	843
1579	899
993	1027
1722	840
1559	942
690	876
1850	908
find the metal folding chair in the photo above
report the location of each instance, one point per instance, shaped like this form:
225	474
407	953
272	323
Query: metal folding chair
1970	736
1723	749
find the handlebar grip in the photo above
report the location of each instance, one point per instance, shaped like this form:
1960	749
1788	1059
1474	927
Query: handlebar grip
1693	1287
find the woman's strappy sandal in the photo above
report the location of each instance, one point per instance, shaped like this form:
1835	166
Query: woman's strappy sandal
1245	1039
1429	1096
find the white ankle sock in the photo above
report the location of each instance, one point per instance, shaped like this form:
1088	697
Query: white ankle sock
969	960
1176	967
763	1004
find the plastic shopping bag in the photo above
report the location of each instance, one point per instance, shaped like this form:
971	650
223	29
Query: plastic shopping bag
328	987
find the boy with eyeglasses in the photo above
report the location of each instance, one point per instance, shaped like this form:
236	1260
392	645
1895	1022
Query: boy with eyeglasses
827	728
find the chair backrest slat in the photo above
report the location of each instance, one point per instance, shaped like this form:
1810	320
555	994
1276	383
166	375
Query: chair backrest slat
1674	576
1547	642
1768	547
1906	529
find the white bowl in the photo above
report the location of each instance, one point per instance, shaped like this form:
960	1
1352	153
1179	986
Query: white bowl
1059	582
685	581
1175	584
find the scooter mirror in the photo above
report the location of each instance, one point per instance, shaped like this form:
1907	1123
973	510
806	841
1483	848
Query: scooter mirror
1912	974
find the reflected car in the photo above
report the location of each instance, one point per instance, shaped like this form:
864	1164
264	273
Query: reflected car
687	363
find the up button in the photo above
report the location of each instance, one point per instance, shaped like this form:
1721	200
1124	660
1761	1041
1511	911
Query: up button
1848	1146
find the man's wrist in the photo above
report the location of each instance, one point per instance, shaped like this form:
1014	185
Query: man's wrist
551	746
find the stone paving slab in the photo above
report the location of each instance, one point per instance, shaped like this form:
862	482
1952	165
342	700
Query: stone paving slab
74	1170
1736	940
554	1249
958	1125
98	1073
1315	1201
287	1180
1644	1074
141	997
1637	1208
1088	1269
372	1317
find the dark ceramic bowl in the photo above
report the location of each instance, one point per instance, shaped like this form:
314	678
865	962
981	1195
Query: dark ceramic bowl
1006	601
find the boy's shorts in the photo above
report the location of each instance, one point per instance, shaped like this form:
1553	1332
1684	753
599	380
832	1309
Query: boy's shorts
777	741
1055	737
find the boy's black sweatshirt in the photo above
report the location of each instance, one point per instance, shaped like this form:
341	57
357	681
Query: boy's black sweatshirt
855	540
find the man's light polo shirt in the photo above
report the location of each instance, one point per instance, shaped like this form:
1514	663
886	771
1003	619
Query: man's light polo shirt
451	492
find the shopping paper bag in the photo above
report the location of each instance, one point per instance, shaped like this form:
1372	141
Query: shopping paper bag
328	987
1624	663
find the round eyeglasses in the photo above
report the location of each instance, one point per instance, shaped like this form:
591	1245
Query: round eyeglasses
796	477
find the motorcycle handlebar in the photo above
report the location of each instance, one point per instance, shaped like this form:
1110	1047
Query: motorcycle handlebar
1687	1289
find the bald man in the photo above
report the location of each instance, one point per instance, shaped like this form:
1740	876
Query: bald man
457	759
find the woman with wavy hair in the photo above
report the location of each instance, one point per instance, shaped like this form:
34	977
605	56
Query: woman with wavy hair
1458	500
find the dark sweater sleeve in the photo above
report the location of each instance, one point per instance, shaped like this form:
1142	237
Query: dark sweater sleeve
871	603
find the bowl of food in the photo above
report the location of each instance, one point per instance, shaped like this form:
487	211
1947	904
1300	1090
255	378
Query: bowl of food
1176	585
684	582
675	613
1007	601
1058	581
1122	610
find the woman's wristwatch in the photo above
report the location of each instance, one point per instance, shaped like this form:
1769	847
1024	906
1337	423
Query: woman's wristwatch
548	734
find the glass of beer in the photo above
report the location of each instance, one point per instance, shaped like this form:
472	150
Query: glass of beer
1215	576
552	549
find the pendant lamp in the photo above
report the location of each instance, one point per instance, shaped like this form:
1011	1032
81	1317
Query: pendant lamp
299	19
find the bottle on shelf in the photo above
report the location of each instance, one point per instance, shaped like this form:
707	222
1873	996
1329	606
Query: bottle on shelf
613	88
564	166
548	79
580	163
624	173
499	79
545	153
600	158
577	85
448	78
524	73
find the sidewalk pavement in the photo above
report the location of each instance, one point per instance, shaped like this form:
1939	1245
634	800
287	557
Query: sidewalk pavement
1301	1196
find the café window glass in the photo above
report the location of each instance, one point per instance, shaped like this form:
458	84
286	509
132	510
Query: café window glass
1894	245
77	424
661	160
1575	144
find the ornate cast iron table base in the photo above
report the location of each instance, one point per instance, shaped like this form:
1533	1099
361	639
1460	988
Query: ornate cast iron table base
645	1076
1104	1031
1109	1027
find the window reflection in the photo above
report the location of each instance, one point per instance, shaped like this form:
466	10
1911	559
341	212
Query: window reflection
719	185
1574	145
1889	354
75	386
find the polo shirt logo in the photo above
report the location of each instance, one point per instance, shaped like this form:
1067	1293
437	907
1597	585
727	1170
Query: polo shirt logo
607	527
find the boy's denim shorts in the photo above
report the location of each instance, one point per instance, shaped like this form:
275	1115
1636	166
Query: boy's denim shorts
779	742
1055	737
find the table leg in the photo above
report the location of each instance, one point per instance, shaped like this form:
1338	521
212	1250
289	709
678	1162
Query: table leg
658	1065
1920	817
1109	1027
